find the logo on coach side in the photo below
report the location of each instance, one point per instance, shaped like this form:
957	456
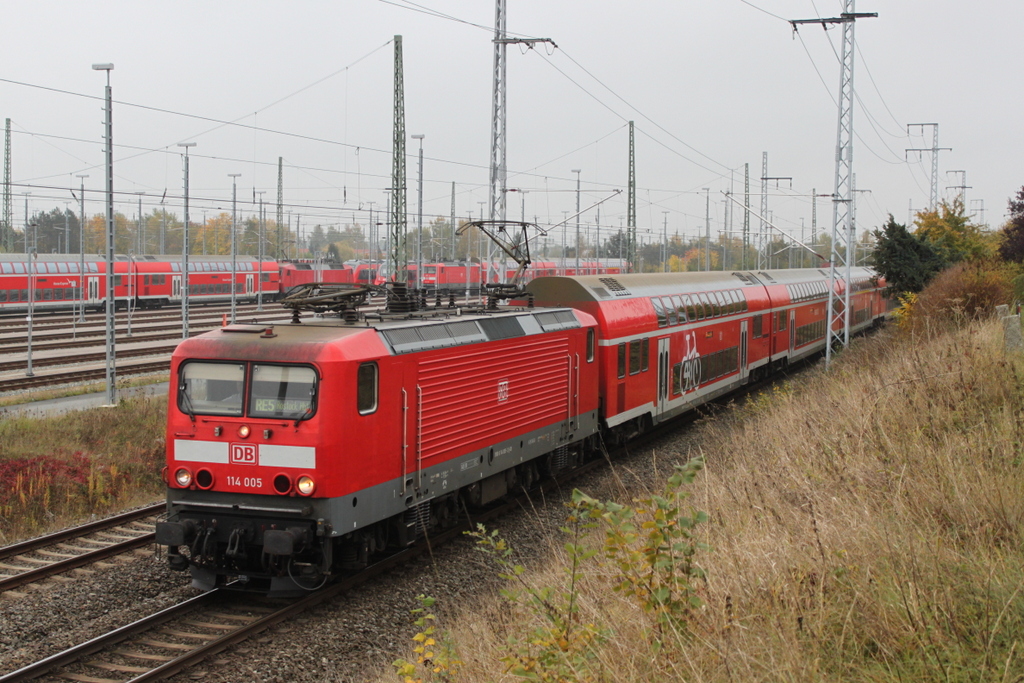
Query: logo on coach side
503	391
243	454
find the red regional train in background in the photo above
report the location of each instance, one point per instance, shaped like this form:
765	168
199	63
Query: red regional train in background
458	277
154	281
151	281
299	451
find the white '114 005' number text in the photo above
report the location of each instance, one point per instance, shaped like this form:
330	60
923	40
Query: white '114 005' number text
247	482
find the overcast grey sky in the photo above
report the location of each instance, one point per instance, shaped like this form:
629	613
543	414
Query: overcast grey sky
710	85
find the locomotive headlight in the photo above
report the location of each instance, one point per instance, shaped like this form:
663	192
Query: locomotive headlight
305	485
183	478
243	432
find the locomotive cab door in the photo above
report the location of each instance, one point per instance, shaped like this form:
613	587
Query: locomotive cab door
664	377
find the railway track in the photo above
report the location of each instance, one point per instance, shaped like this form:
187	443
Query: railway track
46	556
179	637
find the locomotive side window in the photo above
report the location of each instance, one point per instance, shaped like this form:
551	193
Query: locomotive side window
211	388
282	391
366	388
622	360
591	343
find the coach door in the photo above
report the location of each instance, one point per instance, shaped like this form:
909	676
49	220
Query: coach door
743	349
792	330
664	378
92	289
249	283
175	287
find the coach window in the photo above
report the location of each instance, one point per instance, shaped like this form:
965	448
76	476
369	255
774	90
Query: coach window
19	268
645	353
670	311
709	311
659	310
634	356
211	388
366	388
622	360
691	310
755	329
591	343
282	392
680	310
723	302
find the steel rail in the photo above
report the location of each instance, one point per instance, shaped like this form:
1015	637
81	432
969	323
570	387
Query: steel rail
81	530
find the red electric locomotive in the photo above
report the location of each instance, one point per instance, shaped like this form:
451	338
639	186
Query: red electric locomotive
298	451
294	451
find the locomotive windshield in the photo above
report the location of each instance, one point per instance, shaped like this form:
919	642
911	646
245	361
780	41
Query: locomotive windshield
275	391
282	391
211	388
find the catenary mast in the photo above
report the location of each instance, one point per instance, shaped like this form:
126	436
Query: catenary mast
838	331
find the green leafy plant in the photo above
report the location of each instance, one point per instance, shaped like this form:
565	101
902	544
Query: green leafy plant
562	648
434	661
653	551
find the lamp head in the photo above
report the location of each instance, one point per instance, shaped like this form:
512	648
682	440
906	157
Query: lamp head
103	67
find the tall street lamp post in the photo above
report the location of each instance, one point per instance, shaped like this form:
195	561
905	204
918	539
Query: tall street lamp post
108	138
81	247
32	256
234	250
577	172
184	250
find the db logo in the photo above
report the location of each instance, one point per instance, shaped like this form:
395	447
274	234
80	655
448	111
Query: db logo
243	454
502	391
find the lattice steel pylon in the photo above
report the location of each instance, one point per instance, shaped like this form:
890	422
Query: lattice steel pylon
397	258
933	196
499	160
762	247
631	252
838	332
746	214
7	227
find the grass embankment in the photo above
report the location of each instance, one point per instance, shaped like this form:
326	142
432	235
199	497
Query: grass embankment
55	471
865	523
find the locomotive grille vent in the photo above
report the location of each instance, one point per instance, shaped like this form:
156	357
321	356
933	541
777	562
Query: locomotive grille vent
426	337
467	329
557	320
402	336
501	328
614	286
434	333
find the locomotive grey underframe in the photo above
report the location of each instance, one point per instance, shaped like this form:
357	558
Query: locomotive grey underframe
358	510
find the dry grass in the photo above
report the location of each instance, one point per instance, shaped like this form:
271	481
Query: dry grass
55	471
22	397
865	524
